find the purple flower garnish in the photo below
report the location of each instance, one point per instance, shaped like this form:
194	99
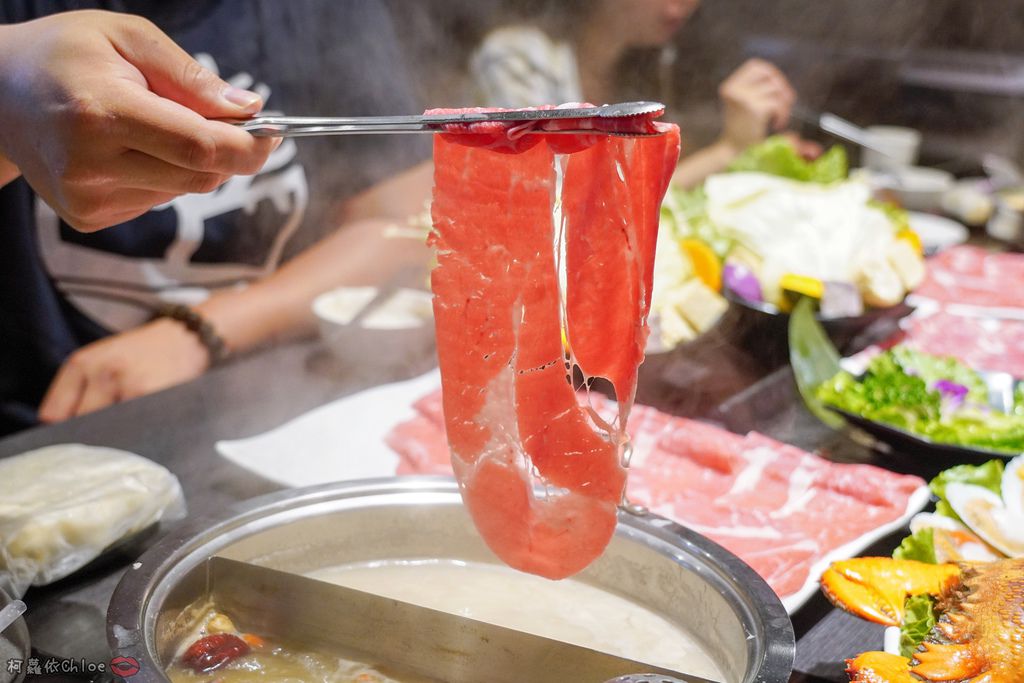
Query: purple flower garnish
742	282
952	392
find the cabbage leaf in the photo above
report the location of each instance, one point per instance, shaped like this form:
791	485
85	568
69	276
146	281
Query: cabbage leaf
919	546
918	621
777	156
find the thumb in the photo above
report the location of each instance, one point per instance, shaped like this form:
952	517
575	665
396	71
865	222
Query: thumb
173	74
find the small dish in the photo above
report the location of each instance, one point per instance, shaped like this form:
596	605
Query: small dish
917	188
340	306
392	326
893	146
937	232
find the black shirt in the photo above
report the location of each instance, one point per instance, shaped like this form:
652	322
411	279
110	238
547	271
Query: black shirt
60	289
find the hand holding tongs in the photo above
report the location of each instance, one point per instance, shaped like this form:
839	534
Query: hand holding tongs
606	119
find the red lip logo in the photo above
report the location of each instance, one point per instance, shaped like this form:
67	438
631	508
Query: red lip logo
125	667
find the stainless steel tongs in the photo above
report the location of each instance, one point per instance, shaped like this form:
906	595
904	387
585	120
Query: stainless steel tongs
609	117
839	127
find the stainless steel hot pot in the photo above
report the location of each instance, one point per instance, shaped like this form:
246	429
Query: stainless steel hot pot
651	561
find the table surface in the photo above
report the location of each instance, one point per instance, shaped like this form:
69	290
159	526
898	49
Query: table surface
714	378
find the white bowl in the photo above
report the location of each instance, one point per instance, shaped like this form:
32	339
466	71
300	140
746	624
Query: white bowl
937	232
916	187
339	306
893	147
397	327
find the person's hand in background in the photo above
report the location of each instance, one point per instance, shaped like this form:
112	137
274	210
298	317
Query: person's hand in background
106	117
155	356
757	101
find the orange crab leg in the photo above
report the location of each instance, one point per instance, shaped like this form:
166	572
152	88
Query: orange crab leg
879	667
938	662
876	588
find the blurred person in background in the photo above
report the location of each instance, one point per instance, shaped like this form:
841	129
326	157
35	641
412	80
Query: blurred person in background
556	51
94	104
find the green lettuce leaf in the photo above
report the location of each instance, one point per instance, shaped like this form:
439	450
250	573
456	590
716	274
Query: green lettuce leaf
814	359
830	166
934	368
989	475
886	394
918	546
918	621
981	429
777	156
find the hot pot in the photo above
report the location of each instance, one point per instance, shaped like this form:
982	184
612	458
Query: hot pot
652	561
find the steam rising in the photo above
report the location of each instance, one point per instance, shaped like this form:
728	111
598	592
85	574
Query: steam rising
948	67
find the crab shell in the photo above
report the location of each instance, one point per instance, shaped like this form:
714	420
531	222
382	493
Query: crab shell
979	637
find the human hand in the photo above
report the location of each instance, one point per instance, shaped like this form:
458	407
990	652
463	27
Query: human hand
808	149
141	361
757	100
106	117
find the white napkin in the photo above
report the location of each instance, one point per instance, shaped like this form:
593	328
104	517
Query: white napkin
341	440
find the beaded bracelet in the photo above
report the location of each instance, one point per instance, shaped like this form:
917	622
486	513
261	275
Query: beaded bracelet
199	326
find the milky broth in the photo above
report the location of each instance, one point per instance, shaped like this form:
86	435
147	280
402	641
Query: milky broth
566	610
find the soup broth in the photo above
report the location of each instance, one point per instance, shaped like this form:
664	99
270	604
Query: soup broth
566	610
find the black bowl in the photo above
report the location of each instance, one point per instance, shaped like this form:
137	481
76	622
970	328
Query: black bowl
891	438
763	330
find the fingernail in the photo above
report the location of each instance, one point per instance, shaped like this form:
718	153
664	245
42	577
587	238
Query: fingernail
246	100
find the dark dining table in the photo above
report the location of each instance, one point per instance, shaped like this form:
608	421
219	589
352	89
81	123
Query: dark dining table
740	385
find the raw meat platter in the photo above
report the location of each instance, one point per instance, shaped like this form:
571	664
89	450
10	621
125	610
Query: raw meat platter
767	499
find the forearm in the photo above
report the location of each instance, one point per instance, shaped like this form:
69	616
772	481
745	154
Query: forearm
278	308
693	169
8	171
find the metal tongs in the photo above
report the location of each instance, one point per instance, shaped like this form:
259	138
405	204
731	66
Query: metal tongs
839	127
608	119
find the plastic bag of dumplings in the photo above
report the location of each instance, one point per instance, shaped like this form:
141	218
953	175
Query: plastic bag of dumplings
63	505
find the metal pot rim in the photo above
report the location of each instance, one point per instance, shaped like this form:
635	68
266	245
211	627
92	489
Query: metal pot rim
130	625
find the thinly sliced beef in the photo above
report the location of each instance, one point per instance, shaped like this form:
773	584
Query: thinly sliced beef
421	446
612	228
539	474
971	307
776	506
982	343
971	275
